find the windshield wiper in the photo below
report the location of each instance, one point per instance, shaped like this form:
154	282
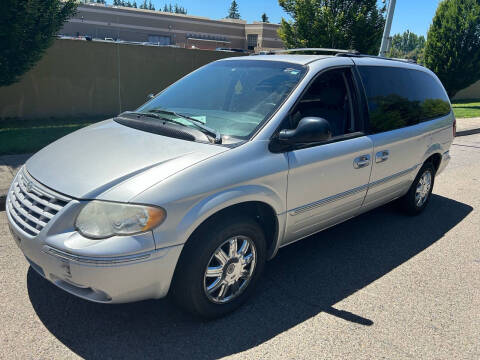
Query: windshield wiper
213	132
156	116
148	114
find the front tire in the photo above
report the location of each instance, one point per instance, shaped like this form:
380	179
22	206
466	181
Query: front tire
220	266
418	196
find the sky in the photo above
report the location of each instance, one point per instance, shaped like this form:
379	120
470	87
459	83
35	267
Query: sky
414	15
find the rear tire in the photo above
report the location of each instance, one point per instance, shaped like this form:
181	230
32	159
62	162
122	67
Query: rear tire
418	196
220	266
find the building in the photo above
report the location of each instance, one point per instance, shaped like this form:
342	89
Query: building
139	25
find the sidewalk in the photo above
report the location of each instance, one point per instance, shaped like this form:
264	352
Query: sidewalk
468	126
9	164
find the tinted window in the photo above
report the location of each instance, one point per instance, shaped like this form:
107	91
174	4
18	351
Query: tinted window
401	97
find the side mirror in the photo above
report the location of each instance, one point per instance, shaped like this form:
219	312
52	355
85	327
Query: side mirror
309	130
150	96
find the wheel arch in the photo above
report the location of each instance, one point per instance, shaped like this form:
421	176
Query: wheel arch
257	201
435	159
262	212
433	155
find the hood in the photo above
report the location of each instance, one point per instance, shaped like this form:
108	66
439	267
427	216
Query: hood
113	162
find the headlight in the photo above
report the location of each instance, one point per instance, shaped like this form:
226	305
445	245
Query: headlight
101	219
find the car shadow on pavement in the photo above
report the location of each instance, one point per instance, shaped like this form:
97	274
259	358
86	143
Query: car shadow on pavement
303	280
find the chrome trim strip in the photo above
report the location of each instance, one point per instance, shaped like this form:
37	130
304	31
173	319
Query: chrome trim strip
311	206
392	177
330	199
42	189
32	205
18	219
94	260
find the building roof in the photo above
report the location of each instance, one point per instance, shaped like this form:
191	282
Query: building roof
185	16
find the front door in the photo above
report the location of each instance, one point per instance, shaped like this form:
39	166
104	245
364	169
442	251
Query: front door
327	182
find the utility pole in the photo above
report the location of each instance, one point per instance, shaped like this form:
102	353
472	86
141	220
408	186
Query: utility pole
386	31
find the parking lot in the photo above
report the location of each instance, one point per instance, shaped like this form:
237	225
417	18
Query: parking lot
382	285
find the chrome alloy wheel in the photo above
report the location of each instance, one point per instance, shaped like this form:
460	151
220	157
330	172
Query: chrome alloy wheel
230	269
423	188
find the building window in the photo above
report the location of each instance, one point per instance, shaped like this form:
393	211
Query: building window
159	39
252	40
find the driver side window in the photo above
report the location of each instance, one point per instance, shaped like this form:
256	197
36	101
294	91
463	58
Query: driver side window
330	97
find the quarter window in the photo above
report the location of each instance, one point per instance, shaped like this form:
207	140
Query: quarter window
399	97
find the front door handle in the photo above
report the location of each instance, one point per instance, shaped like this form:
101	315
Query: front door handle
361	161
381	156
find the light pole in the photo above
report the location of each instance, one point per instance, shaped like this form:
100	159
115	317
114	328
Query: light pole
388	26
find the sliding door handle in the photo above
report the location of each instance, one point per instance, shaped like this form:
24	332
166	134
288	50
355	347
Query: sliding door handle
361	161
382	156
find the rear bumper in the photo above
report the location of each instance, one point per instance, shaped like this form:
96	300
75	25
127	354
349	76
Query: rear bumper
110	279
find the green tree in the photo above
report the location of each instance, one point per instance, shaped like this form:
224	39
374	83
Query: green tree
453	44
150	5
264	18
407	46
233	12
134	4
180	10
343	24
176	9
27	29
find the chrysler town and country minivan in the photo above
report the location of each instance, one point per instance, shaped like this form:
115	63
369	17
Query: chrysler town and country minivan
191	193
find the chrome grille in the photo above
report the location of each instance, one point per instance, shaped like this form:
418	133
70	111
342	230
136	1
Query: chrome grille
31	205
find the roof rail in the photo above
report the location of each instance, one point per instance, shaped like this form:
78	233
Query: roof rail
336	51
410	61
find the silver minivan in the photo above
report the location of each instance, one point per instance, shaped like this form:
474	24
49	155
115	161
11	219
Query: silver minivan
190	194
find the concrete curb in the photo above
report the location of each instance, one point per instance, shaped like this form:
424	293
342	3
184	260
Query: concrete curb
468	126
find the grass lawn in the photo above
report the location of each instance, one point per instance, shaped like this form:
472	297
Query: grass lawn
18	136
466	108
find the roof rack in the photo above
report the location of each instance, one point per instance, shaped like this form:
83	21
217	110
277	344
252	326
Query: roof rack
410	61
336	51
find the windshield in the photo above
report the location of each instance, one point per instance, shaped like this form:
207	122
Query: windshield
230	97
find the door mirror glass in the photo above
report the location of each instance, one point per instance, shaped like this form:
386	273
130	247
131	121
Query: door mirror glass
309	130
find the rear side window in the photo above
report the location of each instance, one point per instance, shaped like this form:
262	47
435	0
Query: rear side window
399	97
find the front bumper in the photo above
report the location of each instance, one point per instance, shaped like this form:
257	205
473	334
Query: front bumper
114	270
102	279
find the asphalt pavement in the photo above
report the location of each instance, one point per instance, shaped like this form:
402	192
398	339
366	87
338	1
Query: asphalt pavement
382	285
